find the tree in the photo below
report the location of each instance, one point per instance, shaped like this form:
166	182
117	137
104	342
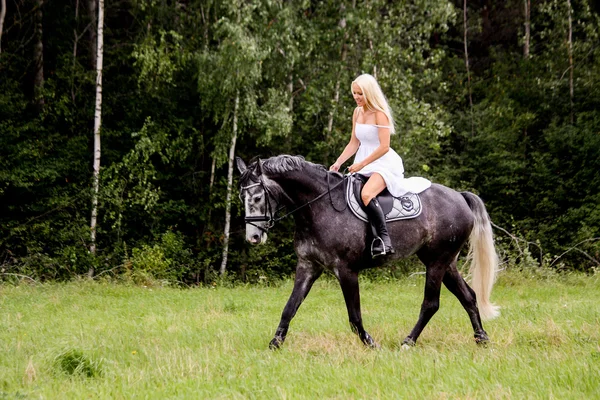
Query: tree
343	55
234	133
527	25
38	57
92	32
2	16
466	54
234	68
97	126
570	52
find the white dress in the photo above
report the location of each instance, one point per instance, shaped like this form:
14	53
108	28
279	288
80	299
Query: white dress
389	165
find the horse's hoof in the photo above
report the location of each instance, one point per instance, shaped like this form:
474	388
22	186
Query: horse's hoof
373	345
370	343
408	343
482	340
275	343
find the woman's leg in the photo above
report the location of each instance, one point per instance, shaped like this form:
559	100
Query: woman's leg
372	188
381	244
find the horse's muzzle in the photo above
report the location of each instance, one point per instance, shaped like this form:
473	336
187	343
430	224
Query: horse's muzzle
254	239
256	236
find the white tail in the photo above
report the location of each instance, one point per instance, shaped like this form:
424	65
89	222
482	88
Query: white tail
482	257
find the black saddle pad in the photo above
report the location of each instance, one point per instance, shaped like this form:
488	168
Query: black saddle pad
385	198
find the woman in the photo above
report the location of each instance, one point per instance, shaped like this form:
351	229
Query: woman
372	125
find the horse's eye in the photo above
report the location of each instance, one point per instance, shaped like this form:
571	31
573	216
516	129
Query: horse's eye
257	199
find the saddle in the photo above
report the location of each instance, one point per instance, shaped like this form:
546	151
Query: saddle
394	208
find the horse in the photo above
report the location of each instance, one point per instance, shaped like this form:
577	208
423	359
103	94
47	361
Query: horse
329	237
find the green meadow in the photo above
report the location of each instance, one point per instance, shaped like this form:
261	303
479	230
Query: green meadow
117	341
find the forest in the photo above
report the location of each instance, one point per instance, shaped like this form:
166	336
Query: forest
119	122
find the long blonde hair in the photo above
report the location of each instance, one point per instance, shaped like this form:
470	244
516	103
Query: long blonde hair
374	97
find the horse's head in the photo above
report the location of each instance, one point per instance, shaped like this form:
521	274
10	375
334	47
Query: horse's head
259	194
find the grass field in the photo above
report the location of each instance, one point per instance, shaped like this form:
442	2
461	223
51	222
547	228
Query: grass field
106	340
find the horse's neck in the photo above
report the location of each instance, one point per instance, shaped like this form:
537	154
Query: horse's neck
313	198
302	187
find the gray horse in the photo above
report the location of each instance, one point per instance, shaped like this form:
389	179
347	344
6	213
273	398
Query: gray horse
328	236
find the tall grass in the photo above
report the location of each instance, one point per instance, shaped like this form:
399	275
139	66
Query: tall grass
113	341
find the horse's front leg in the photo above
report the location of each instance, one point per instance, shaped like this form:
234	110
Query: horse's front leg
306	274
349	283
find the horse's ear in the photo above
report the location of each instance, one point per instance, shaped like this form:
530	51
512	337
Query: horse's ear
241	165
258	170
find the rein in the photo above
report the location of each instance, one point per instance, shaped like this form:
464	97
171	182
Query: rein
271	220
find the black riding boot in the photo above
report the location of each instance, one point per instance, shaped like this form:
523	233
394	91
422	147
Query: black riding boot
382	244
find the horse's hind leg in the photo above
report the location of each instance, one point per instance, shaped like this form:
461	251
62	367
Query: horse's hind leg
431	301
349	284
457	285
306	275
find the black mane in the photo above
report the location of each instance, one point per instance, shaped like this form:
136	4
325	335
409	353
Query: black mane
279	165
287	163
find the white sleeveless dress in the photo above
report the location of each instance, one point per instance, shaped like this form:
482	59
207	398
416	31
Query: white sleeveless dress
389	165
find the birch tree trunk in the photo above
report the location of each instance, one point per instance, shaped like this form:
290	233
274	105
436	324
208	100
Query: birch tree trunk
526	45
229	186
91	9
212	175
465	38
527	4
336	99
374	57
97	124
210	188
75	43
570	48
38	58
2	16
336	95
290	89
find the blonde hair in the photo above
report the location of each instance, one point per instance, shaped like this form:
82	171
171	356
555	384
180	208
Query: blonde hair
374	97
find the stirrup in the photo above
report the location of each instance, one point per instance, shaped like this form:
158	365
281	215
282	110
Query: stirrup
390	249
382	253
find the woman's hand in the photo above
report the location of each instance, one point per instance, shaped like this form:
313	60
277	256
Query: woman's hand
335	167
356	167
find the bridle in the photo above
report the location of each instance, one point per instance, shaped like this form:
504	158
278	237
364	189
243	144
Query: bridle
269	215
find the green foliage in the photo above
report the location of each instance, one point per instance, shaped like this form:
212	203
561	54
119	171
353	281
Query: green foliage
130	183
172	72
268	263
167	260
158	62
517	146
